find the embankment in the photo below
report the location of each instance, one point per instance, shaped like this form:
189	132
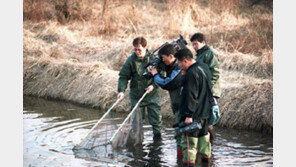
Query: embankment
244	105
72	50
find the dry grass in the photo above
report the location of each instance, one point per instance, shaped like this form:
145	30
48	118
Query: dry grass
249	107
73	50
259	67
232	25
88	84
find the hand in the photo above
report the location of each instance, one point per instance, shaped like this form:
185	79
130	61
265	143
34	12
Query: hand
188	120
214	115
215	109
150	88
120	95
153	71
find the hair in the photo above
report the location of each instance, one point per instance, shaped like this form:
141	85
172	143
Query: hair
167	50
198	36
140	40
184	54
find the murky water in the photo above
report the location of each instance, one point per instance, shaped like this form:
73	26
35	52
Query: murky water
52	128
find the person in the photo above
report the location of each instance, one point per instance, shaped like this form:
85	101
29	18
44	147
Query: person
170	80
195	106
132	71
204	54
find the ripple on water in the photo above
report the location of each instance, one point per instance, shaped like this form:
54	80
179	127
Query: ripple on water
51	129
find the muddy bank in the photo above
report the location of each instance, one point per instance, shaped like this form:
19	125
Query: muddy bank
244	105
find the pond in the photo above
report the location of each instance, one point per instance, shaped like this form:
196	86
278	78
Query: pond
52	128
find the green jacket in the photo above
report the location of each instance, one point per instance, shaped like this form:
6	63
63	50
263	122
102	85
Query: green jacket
206	55
133	70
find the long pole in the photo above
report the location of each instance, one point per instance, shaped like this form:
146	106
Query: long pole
129	115
117	101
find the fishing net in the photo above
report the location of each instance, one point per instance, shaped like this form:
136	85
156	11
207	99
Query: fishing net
107	132
100	134
131	133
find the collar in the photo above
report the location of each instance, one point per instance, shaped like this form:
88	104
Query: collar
194	64
144	58
173	64
200	51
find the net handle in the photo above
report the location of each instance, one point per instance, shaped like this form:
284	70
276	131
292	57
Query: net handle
129	115
117	101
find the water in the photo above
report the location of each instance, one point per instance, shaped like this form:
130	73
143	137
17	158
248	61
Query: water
52	128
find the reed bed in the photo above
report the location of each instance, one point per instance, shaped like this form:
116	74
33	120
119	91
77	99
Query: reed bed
73	50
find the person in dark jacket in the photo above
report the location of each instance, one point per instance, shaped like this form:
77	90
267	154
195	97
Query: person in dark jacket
133	70
170	79
195	106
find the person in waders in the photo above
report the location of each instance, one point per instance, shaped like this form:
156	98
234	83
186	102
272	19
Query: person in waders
195	106
171	80
204	54
132	71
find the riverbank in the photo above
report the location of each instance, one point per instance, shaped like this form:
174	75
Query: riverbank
78	60
245	104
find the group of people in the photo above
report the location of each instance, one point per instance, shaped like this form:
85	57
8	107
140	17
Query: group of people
192	84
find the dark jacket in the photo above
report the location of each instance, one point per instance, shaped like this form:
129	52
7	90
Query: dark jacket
206	55
133	70
195	97
172	79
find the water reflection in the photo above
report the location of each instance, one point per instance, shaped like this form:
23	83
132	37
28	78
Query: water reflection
52	128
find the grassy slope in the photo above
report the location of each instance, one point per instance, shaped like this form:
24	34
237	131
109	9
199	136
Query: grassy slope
77	59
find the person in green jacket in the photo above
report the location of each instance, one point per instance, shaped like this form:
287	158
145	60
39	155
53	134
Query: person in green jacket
132	71
204	54
195	106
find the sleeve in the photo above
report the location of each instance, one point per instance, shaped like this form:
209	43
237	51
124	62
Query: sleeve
153	57
190	95
124	76
167	80
213	62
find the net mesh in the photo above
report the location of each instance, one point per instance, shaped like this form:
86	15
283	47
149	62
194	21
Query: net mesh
100	134
130	134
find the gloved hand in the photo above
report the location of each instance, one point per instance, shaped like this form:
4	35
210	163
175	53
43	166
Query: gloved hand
214	115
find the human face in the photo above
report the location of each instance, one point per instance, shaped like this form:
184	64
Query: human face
168	60
198	45
183	64
140	51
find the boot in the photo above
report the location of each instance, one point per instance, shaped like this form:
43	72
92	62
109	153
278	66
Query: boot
157	136
205	162
212	134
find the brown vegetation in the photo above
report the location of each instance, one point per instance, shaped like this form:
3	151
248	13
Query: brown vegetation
73	49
